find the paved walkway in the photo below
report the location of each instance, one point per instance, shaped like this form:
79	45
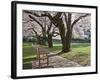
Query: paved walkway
59	62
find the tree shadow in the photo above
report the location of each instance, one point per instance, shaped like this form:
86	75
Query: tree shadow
80	45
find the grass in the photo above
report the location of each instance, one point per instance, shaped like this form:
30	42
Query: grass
29	53
55	49
80	53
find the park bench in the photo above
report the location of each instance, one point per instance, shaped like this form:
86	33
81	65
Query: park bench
42	59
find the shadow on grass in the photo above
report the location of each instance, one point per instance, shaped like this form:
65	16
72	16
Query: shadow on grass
80	45
29	59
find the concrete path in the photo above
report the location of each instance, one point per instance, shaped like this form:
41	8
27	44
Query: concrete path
59	62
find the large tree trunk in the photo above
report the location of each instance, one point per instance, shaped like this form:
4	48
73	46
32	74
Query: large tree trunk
65	36
68	40
64	46
68	33
43	38
50	43
62	35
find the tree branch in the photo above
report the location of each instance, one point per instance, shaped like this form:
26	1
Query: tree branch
79	19
43	15
49	28
27	11
66	18
27	21
37	22
57	15
33	30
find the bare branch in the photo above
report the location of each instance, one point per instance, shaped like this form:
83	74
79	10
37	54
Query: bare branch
57	15
79	19
37	22
49	28
27	21
32	13
33	30
44	15
65	18
27	11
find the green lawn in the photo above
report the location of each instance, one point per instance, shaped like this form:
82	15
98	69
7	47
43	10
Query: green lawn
29	53
80	53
